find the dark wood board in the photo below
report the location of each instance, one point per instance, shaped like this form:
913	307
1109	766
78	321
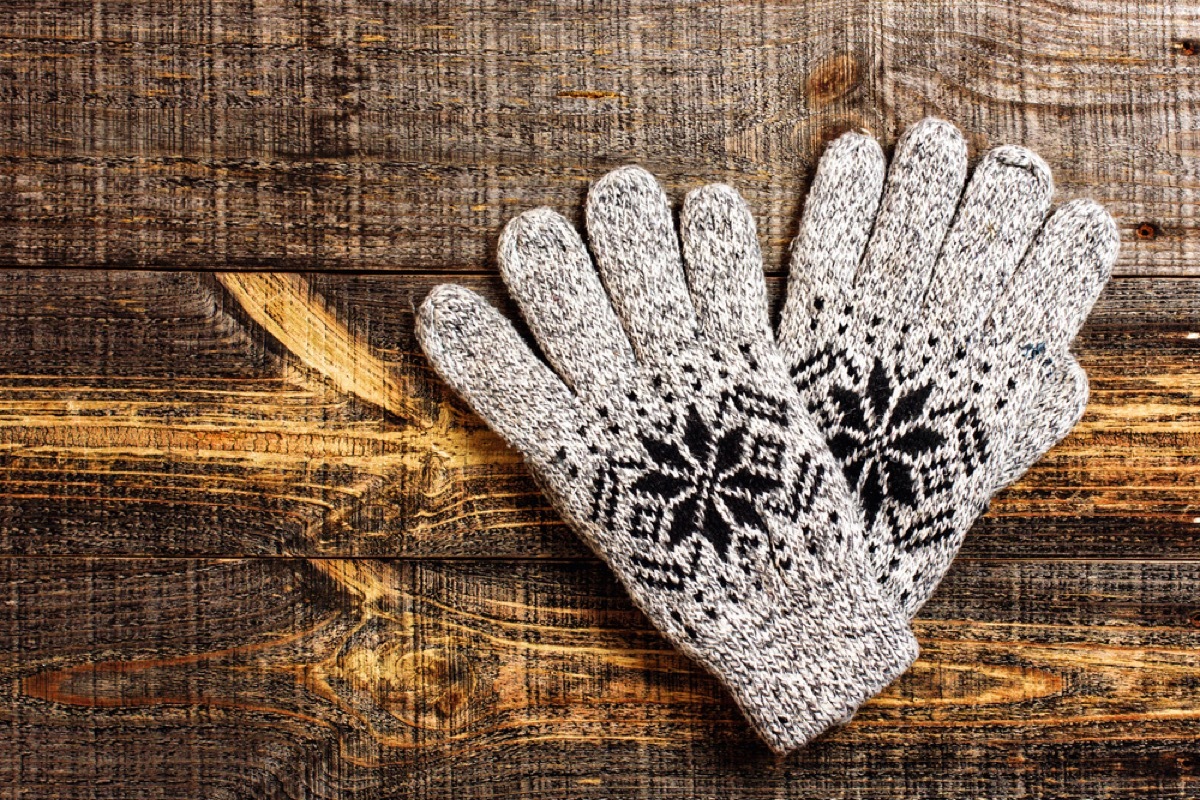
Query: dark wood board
368	134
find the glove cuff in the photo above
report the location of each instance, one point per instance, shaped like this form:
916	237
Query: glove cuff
811	664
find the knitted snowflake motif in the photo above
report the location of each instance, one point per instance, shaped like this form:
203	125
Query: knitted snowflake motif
710	483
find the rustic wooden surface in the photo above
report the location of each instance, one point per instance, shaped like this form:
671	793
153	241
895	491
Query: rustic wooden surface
249	546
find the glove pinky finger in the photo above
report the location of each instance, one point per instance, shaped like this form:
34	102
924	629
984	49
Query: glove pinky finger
480	354
1063	273
1059	398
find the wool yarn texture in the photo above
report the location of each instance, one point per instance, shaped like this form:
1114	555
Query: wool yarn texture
670	434
927	328
781	506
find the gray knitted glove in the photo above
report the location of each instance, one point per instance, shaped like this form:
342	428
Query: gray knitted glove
672	439
930	340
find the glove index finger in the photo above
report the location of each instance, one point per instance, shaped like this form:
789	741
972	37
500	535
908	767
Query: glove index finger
834	229
548	272
1052	292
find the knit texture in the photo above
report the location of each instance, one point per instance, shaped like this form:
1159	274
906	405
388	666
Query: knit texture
927	327
670	435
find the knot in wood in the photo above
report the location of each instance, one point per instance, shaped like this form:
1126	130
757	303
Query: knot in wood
833	78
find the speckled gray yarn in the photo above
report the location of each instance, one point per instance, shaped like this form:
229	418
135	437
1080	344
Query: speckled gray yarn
927	330
670	436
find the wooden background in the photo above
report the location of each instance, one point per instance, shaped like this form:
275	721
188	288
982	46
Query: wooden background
249	547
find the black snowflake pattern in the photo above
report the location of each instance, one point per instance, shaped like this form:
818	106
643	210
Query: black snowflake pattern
880	435
709	483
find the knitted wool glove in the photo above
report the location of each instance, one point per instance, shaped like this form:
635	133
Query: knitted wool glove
672	439
930	339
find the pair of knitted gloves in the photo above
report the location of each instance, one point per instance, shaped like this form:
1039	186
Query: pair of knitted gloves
780	503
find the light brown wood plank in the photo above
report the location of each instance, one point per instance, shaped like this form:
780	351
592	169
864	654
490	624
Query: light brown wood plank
290	678
152	414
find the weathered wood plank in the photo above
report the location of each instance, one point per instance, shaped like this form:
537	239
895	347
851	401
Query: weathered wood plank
163	679
362	134
200	415
368	134
1107	92
151	414
372	679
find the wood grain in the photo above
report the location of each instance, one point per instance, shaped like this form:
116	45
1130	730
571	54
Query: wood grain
1107	92
151	414
267	678
251	548
369	135
364	134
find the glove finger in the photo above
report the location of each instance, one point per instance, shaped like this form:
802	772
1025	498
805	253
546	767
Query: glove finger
632	234
483	358
548	271
923	188
1001	212
838	216
1053	290
1058	404
724	265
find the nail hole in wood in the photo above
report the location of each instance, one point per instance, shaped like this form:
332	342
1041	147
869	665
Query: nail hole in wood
1147	231
1187	47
